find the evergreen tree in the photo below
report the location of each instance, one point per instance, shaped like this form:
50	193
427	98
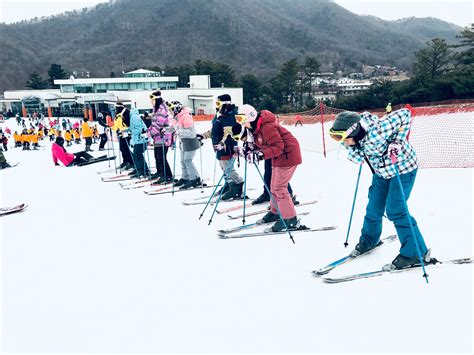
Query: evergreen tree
36	82
252	88
56	72
311	69
433	61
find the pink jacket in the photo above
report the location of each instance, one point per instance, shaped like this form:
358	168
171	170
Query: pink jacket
60	154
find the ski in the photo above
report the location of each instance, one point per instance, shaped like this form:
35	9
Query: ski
216	194
95	160
107	171
268	233
249	226
382	272
120	177
235	208
255	213
137	184
10	210
169	189
11	166
325	269
212	202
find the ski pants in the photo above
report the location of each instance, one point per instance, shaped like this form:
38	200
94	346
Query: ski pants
124	144
160	158
267	177
385	195
279	187
139	158
81	157
103	140
188	170
231	174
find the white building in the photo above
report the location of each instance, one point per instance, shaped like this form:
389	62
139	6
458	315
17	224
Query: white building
101	94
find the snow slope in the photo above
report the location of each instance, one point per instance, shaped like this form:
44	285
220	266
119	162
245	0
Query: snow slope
92	268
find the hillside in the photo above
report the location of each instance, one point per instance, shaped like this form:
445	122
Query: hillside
254	36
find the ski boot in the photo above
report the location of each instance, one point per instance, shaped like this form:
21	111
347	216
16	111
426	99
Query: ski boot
181	182
403	262
269	217
261	199
362	247
291	223
191	184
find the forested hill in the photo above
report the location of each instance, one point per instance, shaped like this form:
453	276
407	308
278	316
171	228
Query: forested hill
253	36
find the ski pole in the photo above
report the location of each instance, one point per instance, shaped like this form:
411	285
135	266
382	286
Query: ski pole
274	202
131	155
174	167
164	157
200	160
229	166
214	176
213	192
148	157
245	190
402	192
353	205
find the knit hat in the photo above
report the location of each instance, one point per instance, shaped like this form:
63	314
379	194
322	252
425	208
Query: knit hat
60	141
225	98
345	120
249	112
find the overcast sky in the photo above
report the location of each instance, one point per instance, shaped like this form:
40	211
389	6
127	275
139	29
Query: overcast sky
459	12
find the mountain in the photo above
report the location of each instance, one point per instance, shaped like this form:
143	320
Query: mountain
253	36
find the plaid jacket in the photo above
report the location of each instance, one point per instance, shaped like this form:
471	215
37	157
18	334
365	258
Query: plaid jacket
393	127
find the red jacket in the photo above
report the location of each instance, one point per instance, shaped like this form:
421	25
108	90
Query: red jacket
276	142
59	153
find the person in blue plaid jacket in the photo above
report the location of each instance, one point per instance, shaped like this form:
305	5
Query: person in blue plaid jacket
374	140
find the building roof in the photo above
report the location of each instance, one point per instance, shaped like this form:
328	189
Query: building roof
116	80
142	71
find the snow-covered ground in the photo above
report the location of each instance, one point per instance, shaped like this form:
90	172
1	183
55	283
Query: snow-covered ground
89	267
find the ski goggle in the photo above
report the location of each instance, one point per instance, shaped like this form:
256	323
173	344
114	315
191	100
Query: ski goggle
241	119
342	135
154	97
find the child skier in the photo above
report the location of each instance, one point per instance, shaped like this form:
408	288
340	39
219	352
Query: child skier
223	143
87	134
121	124
60	154
188	144
366	137
269	140
162	135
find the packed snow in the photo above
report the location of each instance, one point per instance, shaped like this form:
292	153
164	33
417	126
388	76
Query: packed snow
89	267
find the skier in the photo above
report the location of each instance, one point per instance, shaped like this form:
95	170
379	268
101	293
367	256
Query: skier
60	153
87	134
68	138
188	144
139	143
121	123
366	137
162	135
223	143
102	130
268	140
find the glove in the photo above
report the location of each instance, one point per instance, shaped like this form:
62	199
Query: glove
394	149
200	137
236	131
219	146
144	135
119	133
238	151
57	164
254	156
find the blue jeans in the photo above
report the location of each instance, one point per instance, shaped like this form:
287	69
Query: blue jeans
139	159
385	195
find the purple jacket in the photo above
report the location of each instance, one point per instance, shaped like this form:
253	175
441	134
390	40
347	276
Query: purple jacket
160	129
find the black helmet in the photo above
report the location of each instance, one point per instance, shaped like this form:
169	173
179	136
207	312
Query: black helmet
60	141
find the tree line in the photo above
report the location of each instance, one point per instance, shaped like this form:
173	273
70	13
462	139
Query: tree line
440	72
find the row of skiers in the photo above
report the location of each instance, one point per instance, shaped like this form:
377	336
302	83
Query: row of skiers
380	142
